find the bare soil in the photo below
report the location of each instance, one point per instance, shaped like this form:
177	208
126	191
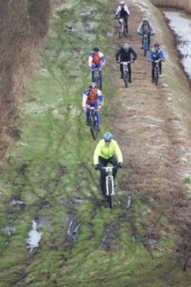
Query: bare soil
152	142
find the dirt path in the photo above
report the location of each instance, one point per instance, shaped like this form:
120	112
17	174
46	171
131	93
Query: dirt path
151	139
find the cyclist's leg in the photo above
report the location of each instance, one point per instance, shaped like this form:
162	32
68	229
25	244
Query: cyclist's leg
101	76
152	73
121	69
149	41
102	162
126	24
87	113
160	68
129	68
93	72
97	113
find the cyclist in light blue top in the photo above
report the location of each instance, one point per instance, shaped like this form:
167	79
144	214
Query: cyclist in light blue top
156	53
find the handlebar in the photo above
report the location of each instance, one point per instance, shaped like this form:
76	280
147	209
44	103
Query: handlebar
96	69
109	168
156	61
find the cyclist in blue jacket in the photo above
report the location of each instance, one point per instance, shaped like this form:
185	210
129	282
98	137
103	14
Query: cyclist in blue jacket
156	53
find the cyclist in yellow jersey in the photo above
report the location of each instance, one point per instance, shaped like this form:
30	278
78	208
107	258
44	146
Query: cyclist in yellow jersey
107	151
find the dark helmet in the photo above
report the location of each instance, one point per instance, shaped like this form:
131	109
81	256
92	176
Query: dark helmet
107	137
156	44
96	49
126	47
93	85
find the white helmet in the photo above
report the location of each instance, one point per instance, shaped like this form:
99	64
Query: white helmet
126	47
122	2
145	20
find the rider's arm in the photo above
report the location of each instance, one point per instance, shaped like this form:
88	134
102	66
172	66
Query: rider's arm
152	29
150	57
100	98
97	152
127	10
134	54
118	10
84	98
118	152
118	54
90	59
139	29
162	55
102	57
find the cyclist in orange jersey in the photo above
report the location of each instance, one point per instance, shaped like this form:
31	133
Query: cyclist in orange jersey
92	97
96	60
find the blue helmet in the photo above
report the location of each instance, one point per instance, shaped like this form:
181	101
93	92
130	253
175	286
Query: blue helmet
107	136
156	44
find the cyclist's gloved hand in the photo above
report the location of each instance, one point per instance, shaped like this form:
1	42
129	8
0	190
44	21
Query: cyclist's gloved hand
118	61
132	61
96	166
120	165
84	109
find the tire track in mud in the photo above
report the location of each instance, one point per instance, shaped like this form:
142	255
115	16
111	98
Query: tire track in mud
151	140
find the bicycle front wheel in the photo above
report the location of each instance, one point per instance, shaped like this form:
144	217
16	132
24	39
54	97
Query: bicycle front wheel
94	128
110	197
126	78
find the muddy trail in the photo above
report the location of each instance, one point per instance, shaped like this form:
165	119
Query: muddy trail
49	187
154	142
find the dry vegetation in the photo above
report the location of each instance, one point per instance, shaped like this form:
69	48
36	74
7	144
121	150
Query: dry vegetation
23	27
181	4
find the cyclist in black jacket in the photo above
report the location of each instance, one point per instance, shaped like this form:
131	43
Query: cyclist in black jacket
125	56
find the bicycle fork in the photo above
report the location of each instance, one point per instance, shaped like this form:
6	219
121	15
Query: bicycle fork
107	185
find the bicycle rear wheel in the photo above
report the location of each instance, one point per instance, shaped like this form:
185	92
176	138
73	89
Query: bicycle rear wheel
94	128
110	197
156	76
126	78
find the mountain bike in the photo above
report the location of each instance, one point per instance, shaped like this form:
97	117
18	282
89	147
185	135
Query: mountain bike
109	184
126	72
94	129
145	43
96	78
156	71
121	30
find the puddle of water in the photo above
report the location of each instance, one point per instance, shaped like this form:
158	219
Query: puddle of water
16	202
182	28
152	241
34	237
128	202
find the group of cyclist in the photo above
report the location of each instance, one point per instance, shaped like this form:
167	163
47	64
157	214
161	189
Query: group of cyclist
107	149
